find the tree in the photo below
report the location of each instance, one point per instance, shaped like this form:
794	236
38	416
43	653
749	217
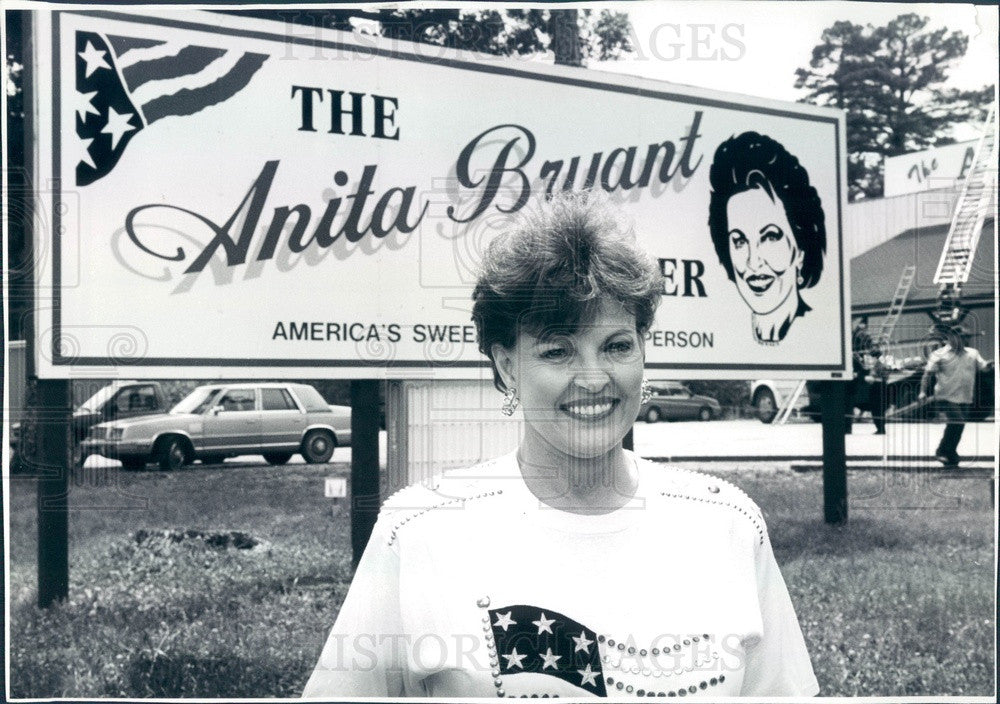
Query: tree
891	82
572	35
16	183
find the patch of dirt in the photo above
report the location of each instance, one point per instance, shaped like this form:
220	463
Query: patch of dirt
220	540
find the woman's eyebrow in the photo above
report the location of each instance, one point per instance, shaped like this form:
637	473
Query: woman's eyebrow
619	331
549	338
736	231
768	226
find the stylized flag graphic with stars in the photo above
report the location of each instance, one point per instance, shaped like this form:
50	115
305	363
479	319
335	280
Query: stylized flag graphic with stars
125	84
543	641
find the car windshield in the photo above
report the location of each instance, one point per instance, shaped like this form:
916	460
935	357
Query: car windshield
95	402
197	401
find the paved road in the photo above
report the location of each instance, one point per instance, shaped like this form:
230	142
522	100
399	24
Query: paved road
753	440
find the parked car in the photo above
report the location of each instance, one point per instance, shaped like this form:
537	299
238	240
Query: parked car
672	400
769	396
217	421
118	400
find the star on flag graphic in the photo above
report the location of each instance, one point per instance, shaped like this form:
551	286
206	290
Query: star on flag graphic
125	84
532	639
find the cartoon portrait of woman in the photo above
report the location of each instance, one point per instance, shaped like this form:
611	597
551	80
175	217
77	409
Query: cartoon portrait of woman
766	223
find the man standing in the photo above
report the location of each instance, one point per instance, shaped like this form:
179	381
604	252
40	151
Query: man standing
867	390
955	366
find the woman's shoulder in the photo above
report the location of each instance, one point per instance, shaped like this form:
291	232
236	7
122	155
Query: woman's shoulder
449	489
693	488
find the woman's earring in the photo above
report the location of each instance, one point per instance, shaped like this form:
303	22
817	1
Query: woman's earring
800	279
647	390
510	402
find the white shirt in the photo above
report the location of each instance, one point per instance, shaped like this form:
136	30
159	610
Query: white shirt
956	373
472	587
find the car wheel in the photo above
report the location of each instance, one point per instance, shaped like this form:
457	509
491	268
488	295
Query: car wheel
318	446
172	455
705	413
766	406
277	458
213	459
133	464
653	415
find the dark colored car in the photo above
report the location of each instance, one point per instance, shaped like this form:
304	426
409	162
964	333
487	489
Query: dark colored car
902	390
672	400
117	401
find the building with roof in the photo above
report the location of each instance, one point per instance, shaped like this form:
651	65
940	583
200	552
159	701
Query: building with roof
885	236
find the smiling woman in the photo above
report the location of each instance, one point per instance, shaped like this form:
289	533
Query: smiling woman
767	226
553	571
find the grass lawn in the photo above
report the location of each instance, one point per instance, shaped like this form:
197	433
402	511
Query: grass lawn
900	601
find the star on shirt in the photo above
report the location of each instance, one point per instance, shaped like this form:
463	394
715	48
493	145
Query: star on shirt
549	660
83	153
94	58
505	621
582	642
118	125
514	659
544	624
588	675
83	104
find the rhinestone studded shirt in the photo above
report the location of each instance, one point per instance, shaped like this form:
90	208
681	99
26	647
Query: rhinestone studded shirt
470	587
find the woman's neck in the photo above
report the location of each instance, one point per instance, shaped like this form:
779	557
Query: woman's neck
594	485
770	328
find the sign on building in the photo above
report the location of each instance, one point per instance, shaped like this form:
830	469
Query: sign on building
926	170
237	197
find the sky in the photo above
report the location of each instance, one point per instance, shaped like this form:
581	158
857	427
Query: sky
758	45
778	37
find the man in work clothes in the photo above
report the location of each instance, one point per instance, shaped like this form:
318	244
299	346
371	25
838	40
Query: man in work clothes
955	366
866	391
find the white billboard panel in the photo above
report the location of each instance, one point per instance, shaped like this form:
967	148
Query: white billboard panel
939	167
231	200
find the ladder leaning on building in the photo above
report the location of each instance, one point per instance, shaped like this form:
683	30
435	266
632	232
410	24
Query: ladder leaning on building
957	255
967	225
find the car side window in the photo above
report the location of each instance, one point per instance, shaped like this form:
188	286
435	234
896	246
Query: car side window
142	398
276	400
122	401
237	400
135	399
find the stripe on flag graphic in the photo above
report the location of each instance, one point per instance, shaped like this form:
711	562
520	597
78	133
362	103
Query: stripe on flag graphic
543	641
125	84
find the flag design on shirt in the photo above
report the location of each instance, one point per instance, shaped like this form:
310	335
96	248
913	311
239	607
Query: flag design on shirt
543	641
125	84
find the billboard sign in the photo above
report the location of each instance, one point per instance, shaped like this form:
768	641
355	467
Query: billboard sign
233	197
940	167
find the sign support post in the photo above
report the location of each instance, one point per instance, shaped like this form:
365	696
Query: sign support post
834	401
52	412
52	447
364	463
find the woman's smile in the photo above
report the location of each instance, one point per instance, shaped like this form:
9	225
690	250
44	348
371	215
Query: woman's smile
591	410
759	283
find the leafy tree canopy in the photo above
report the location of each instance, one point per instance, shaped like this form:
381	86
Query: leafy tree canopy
891	81
572	35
